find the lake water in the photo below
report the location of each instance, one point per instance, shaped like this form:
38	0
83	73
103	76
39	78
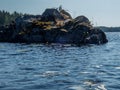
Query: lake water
61	67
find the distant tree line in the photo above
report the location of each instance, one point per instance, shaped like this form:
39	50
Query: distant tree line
7	17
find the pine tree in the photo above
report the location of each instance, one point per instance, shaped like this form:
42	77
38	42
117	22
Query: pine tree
6	17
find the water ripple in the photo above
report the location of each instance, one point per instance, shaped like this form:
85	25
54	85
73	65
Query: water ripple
60	67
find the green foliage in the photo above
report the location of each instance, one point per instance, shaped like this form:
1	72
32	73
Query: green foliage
6	17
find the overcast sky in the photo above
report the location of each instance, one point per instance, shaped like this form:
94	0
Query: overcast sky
100	12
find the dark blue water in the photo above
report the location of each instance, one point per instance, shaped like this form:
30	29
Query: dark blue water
60	67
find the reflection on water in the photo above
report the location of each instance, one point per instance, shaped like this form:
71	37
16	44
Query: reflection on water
60	67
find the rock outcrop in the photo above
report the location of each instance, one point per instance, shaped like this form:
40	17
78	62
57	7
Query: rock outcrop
53	26
81	19
52	15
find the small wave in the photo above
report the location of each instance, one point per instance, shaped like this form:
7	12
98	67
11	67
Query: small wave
89	83
66	73
2	58
23	50
117	67
95	84
85	72
53	73
92	82
50	73
62	81
98	66
77	87
27	68
15	54
101	87
23	80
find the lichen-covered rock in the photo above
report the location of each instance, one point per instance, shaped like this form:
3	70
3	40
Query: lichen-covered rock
65	14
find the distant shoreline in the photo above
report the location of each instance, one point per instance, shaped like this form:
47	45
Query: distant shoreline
109	29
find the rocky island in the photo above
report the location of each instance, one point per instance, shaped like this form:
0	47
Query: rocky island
53	26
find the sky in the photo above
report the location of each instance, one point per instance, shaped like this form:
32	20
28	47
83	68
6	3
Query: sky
99	12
